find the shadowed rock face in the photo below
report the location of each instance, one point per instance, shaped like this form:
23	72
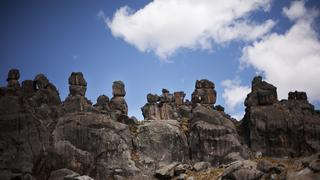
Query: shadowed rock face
286	128
213	137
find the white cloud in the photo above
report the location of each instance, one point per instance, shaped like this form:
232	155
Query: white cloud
164	26
291	61
234	94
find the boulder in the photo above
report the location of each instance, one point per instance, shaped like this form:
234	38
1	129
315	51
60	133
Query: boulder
162	141
166	172
199	166
242	170
212	136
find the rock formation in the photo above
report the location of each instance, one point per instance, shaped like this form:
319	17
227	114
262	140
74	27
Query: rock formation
44	138
76	101
167	106
118	103
280	128
204	93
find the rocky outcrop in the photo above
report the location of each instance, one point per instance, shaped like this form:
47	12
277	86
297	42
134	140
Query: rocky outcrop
280	128
44	138
167	106
204	93
162	142
94	144
118	103
76	101
213	136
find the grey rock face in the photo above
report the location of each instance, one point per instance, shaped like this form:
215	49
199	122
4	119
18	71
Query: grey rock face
162	141
94	144
212	136
166	172
118	88
286	128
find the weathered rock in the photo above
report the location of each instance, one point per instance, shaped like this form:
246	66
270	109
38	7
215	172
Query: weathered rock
94	144
262	93
212	136
77	84
118	103
179	98
199	166
13	77
297	95
61	174
162	141
118	88
242	170
166	172
304	174
204	93
152	98
103	102
285	128
151	111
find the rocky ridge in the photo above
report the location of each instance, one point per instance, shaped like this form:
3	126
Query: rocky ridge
42	137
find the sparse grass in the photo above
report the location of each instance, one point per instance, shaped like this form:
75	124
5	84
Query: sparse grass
210	174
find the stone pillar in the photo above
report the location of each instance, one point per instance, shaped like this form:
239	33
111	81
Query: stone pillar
179	98
150	110
13	78
118	103
77	84
204	93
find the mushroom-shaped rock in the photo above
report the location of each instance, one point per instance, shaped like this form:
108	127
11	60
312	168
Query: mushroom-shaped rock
118	103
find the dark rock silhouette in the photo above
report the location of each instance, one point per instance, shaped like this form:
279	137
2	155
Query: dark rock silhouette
42	137
280	128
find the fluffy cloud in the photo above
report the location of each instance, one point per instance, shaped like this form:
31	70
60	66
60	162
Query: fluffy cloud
234	94
164	26
291	60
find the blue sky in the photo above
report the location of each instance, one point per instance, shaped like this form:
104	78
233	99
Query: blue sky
59	37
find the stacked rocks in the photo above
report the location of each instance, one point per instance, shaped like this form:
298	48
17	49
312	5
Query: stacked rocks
262	93
204	93
150	110
118	103
77	84
76	101
13	78
167	106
